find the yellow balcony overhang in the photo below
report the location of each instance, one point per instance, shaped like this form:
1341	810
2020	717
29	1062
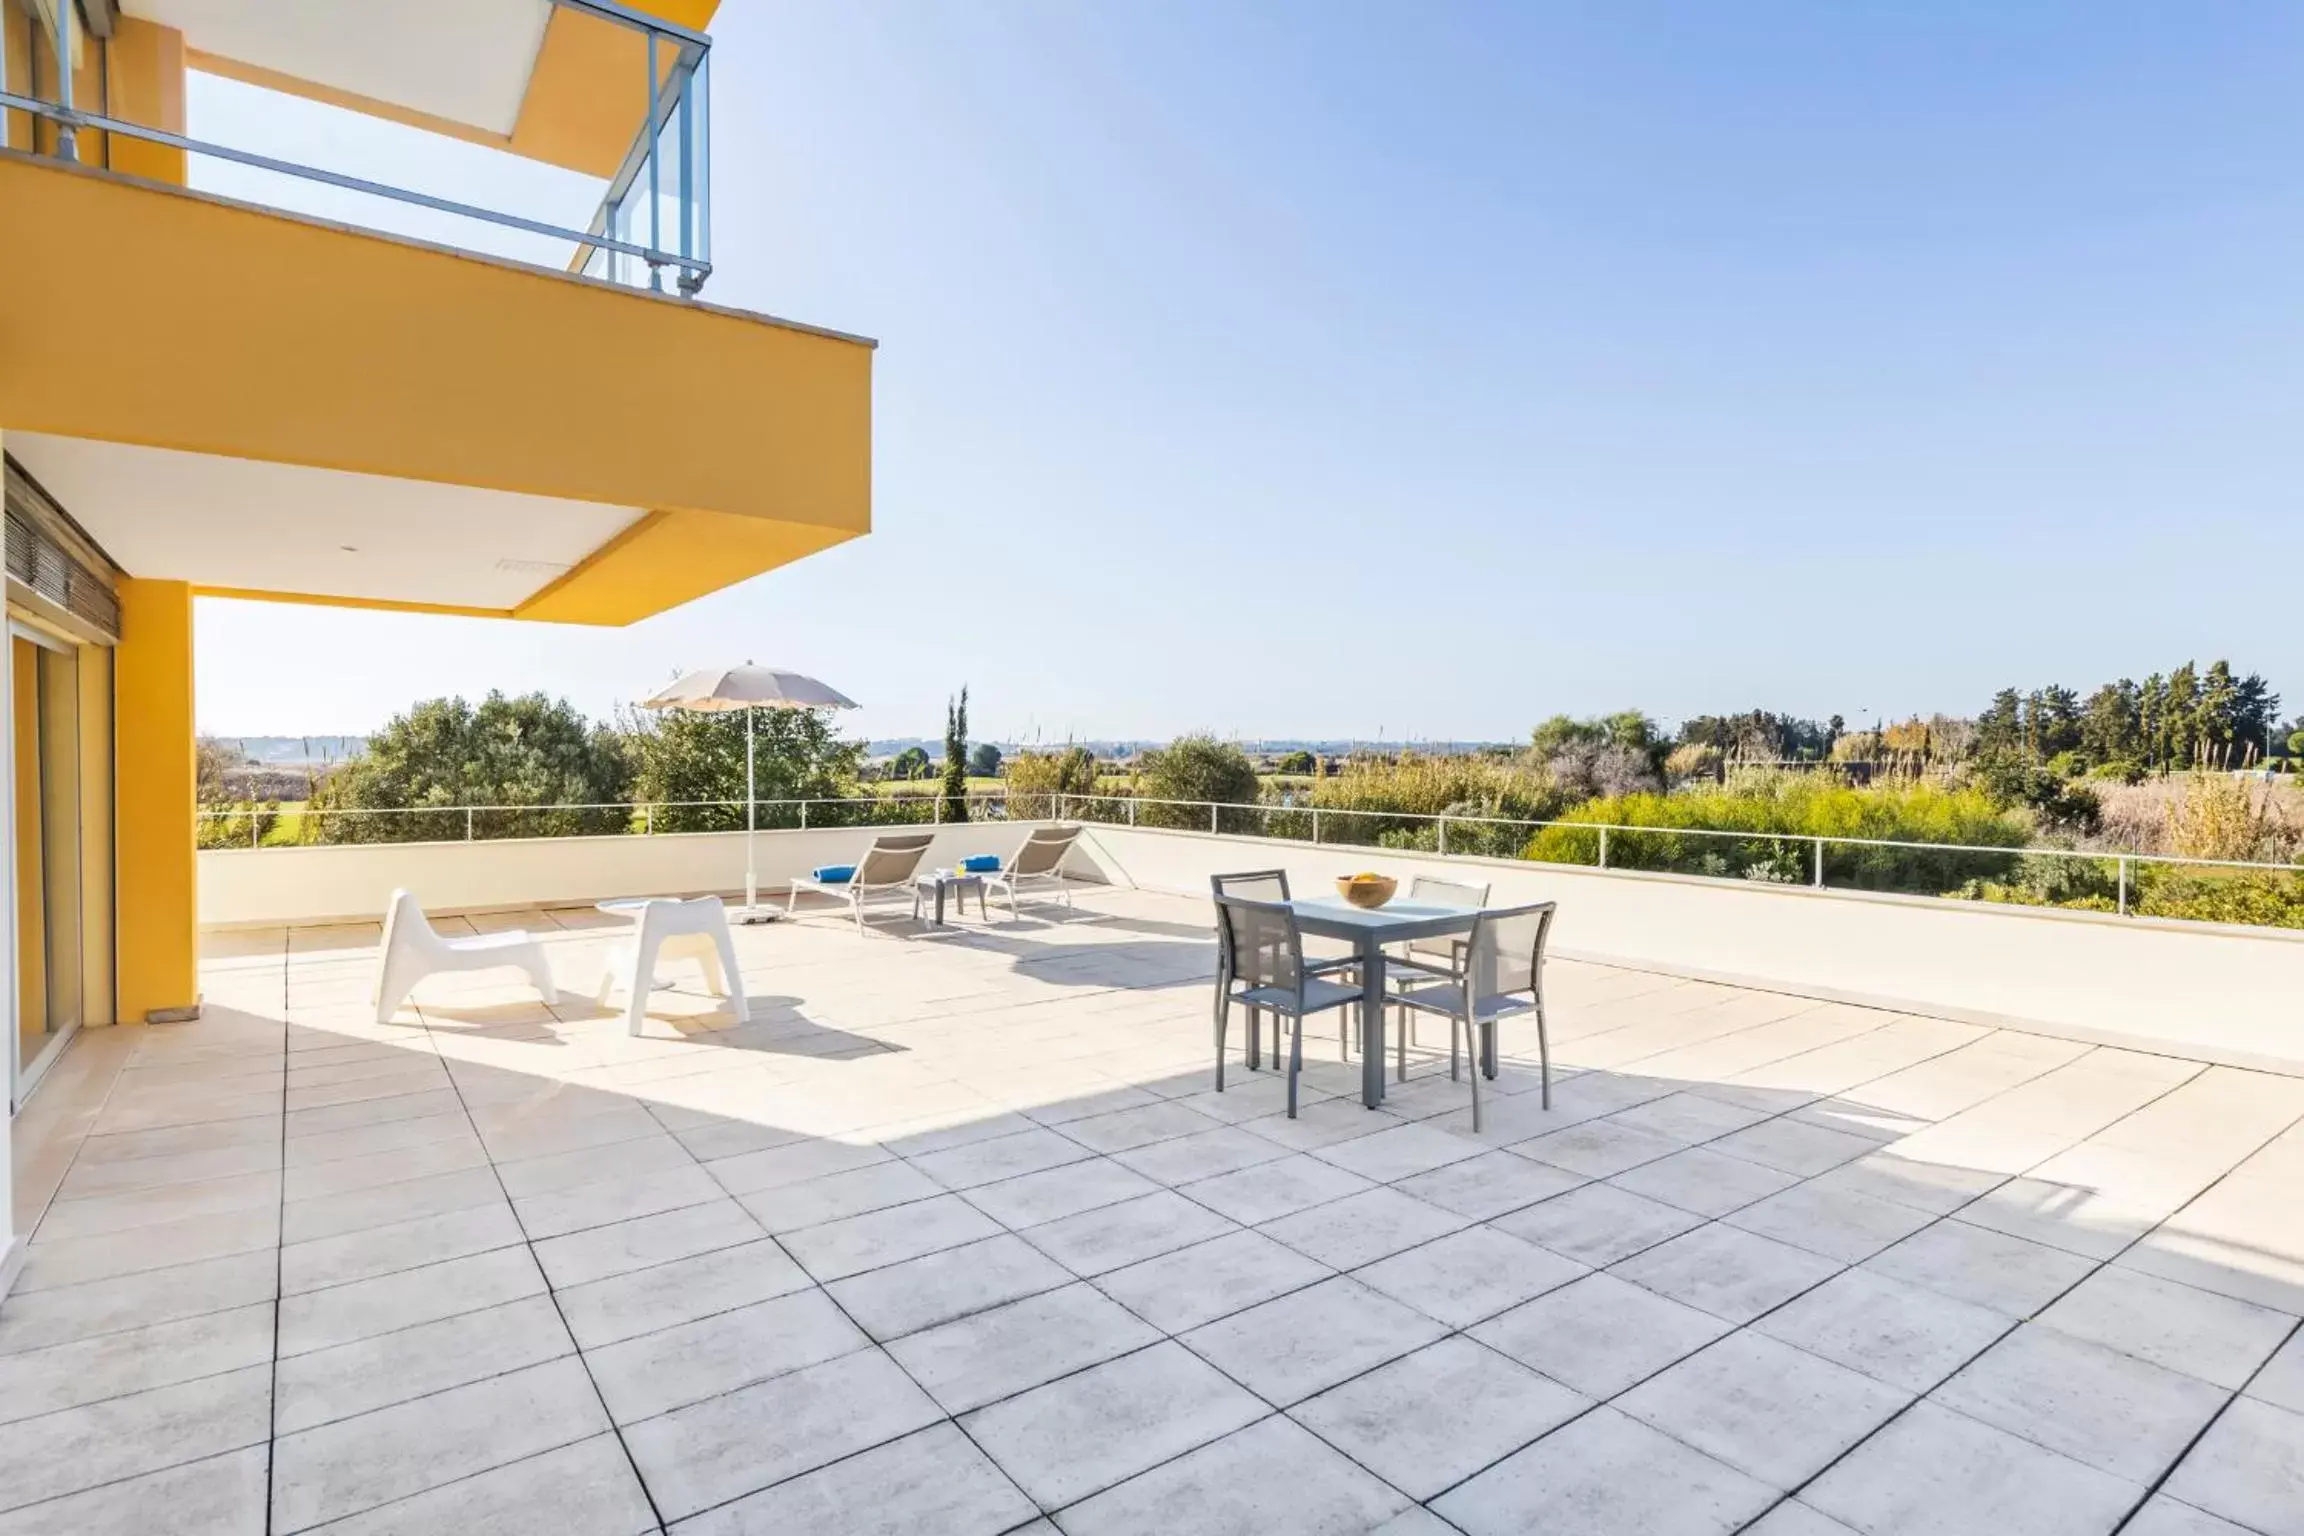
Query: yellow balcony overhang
633	450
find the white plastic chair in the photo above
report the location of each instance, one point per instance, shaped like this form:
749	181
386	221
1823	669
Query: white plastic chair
413	949
671	930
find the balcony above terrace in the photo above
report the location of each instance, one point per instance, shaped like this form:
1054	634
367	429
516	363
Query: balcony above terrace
955	1236
370	397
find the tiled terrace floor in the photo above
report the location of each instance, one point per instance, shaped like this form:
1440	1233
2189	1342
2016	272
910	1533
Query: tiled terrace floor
954	1238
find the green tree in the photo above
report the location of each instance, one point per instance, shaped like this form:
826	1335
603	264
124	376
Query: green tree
1563	731
2182	718
2109	725
2000	729
984	760
909	764
1298	762
2254	709
681	757
1196	768
2219	702
2152	721
956	758
503	752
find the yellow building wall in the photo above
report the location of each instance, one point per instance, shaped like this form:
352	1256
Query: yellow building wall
144	83
156	790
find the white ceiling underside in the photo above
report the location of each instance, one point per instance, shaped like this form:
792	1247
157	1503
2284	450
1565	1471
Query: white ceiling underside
465	60
219	522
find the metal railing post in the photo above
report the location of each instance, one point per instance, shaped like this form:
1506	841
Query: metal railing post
2123	885
67	136
648	820
1315	824
1211	817
1603	845
803	815
1819	863
1443	835
1131	810
253	835
467	823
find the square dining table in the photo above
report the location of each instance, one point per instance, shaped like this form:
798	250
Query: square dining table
1368	930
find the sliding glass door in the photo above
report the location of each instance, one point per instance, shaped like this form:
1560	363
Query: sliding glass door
45	682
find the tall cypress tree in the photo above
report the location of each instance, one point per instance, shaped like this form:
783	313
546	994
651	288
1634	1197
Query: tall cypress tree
956	758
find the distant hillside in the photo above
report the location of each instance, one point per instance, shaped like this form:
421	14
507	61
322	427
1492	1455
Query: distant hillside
296	751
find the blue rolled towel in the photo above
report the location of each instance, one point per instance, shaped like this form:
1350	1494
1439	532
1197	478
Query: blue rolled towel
980	864
832	874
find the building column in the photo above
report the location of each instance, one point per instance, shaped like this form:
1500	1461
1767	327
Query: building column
156	789
11	1243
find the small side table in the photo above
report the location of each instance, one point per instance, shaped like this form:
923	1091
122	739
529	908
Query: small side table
942	880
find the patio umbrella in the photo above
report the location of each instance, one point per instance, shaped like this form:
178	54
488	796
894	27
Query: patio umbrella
716	690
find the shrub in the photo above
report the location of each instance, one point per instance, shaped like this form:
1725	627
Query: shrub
2218	819
1391	801
1196	768
1035	779
1696	760
2260	899
2046	880
233	831
1774	811
2056	801
1582	770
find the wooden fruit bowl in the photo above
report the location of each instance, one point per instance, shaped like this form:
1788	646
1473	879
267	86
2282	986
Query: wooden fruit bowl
1366	890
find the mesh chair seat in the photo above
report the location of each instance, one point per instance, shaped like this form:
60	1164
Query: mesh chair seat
1318	996
1441	998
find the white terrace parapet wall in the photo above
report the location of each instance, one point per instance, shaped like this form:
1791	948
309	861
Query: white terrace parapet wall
2231	995
348	882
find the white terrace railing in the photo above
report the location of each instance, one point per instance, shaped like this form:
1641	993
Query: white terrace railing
2038	876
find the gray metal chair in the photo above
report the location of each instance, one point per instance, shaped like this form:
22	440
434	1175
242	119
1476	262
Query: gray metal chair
1272	885
1261	964
1443	955
1256	885
1503	975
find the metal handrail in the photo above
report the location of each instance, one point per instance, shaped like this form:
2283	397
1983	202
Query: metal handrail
1061	800
76	119
692	47
1636	829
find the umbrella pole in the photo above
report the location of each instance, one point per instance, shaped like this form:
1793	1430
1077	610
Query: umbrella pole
751	804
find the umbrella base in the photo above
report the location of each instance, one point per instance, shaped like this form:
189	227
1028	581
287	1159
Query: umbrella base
749	915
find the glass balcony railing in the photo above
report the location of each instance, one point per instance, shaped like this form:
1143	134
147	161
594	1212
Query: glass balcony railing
651	226
657	216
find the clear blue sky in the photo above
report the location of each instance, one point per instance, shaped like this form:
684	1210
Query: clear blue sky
1327	368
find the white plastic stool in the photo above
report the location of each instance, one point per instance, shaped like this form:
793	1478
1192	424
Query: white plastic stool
669	929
